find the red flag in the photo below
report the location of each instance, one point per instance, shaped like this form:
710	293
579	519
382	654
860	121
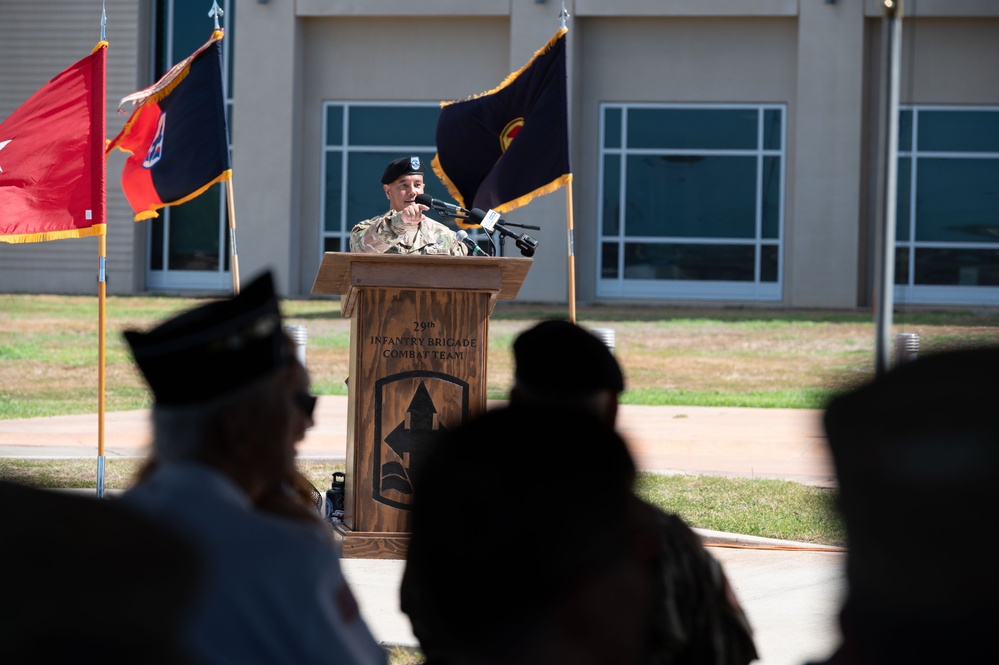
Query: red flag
52	171
177	136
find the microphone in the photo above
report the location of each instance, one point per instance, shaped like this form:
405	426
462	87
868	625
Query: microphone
437	204
491	220
473	248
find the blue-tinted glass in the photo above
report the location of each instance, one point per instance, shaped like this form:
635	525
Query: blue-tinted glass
394	125
365	196
691	196
957	267
903	211
905	130
771	197
333	244
612	195
194	245
693	128
334	125
901	266
191	28
728	263
959	131
769	263
334	198
608	260
957	200
772	136
612	128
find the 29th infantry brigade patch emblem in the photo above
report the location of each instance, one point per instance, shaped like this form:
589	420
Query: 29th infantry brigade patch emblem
410	409
510	132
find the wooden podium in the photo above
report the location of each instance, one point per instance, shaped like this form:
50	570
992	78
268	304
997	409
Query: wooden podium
419	334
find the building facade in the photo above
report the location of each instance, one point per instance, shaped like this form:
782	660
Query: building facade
725	152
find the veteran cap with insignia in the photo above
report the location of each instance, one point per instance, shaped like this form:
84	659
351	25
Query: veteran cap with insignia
214	349
402	166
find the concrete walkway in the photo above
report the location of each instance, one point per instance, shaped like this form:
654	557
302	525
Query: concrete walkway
791	596
749	443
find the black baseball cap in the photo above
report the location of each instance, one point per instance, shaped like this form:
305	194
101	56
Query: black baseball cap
402	166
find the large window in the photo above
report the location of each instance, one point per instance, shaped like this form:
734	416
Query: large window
947	249
359	139
691	201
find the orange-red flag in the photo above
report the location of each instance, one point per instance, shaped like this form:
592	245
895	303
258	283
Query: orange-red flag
53	180
177	137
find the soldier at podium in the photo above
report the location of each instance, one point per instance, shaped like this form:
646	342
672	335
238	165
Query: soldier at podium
404	229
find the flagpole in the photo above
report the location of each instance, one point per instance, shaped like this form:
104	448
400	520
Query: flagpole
102	251
216	13
563	15
231	206
101	348
572	258
885	284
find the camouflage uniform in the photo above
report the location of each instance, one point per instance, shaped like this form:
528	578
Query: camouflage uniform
387	233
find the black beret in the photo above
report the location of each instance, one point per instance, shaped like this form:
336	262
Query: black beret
400	167
214	349
562	358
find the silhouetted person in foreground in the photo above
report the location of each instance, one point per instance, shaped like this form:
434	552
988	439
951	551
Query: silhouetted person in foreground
532	559
231	401
86	580
916	453
697	618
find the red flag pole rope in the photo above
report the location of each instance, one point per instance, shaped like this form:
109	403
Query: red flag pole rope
231	206
572	257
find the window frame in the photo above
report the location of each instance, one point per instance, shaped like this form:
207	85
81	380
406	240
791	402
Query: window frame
345	148
909	292
622	287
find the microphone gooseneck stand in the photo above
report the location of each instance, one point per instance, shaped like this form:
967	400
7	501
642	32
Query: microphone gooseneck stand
525	243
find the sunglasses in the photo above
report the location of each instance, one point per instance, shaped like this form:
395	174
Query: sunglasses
305	401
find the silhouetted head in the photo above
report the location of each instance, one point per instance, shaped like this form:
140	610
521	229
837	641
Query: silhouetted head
521	525
559	363
916	453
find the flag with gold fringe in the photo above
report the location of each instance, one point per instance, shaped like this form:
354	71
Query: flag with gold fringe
52	169
502	148
177	138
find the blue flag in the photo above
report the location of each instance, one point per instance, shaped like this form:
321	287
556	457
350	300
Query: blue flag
177	136
500	149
